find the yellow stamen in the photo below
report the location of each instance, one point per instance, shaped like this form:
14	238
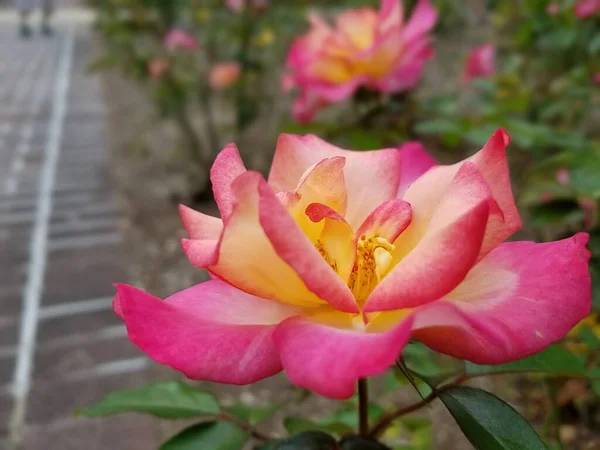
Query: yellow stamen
321	247
373	260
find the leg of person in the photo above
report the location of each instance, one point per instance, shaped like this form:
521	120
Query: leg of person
47	10
24	7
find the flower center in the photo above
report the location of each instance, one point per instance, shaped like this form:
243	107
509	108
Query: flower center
373	260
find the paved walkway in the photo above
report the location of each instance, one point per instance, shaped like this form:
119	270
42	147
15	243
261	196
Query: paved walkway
61	347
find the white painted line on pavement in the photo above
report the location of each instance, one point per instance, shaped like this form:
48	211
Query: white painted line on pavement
38	245
83	242
73	308
121	366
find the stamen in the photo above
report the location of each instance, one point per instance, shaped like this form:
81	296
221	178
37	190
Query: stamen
321	248
373	260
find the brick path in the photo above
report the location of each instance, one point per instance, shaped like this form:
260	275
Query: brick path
61	347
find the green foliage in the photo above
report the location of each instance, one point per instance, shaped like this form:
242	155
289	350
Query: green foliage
488	422
554	361
309	440
168	400
209	435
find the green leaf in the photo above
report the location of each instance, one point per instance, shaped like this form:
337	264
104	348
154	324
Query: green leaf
208	435
269	445
309	440
590	338
253	414
364	139
361	443
555	361
295	425
488	422
168	400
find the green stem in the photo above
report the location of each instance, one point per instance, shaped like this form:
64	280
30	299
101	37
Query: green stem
363	407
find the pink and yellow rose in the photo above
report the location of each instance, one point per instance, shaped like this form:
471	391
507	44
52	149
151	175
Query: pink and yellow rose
378	50
330	266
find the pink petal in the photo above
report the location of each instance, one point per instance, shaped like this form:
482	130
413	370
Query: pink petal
328	354
388	220
481	62
415	162
337	242
199	225
425	193
371	177
211	331
323	183
587	8
403	78
435	257
292	245
227	167
254	251
516	301
391	14
422	20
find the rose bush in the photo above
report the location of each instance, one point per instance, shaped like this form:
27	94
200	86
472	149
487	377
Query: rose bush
327	269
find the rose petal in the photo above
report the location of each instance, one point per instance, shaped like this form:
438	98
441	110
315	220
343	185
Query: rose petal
323	183
415	162
336	243
422	19
371	177
199	225
263	252
227	167
211	331
434	258
388	220
516	301
329	352
293	246
425	193
390	15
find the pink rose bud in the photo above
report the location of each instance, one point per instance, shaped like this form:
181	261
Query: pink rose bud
178	39
481	63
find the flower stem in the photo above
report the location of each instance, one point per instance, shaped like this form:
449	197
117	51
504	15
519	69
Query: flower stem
363	407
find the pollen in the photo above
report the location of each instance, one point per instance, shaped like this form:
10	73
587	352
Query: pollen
373	260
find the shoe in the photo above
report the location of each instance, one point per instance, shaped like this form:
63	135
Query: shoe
25	30
47	30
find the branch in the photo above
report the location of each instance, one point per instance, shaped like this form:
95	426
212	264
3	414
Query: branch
246	426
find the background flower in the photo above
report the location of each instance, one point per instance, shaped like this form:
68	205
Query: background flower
378	50
225	74
178	39
481	62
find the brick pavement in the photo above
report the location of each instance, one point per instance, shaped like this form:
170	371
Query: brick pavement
61	347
